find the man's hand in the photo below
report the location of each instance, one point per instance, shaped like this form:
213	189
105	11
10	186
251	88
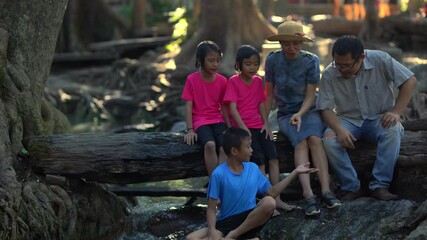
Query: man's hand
345	138
190	137
389	119
305	168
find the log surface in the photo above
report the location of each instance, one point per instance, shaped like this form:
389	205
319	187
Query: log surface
142	157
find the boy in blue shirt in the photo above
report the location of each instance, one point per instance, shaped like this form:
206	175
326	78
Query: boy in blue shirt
235	185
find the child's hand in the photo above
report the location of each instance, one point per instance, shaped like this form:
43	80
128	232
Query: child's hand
296	120
268	133
190	137
305	168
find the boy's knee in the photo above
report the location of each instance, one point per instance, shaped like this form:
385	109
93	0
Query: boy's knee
269	203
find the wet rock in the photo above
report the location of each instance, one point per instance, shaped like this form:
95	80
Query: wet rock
418	216
364	218
419	233
176	223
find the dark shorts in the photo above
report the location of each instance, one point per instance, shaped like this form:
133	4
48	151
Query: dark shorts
211	132
228	224
263	149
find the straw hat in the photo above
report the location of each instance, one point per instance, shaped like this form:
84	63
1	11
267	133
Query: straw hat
290	31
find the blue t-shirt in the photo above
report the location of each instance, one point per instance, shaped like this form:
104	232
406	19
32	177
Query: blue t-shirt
290	79
237	192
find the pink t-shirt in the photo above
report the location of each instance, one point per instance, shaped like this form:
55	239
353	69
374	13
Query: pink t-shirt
247	99
206	97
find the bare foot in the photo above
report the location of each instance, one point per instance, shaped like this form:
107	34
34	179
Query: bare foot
284	206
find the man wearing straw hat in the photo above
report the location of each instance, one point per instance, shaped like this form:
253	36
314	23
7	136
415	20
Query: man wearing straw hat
292	76
357	101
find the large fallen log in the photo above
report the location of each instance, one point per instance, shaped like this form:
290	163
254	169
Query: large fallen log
142	157
341	26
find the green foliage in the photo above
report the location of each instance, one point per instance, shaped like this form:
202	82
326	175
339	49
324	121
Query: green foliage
126	11
24	152
180	27
158	11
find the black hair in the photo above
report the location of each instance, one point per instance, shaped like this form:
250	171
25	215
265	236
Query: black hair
348	44
233	138
245	51
202	50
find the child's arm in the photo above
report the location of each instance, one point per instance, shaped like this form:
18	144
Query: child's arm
310	94
211	217
237	118
225	115
275	190
264	117
190	137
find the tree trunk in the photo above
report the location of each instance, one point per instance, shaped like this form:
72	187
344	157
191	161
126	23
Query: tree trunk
229	23
30	209
140	157
267	8
370	25
96	22
138	20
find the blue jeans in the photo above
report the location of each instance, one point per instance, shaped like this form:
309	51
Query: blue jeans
388	147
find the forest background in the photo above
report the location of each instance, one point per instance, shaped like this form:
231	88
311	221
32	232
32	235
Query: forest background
111	87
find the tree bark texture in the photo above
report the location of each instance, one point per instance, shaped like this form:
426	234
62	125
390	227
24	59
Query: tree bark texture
140	157
267	8
138	19
30	209
229	23
369	29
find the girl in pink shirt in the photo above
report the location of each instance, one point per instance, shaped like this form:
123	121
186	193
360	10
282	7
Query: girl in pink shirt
204	114
245	98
